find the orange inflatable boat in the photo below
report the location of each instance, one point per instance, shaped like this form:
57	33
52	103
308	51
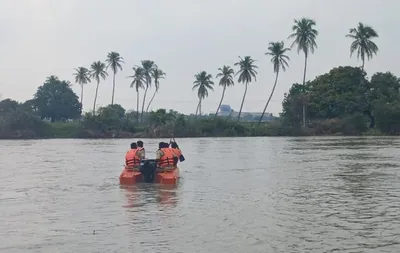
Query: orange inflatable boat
147	173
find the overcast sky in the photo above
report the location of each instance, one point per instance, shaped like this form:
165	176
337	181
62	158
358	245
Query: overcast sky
40	38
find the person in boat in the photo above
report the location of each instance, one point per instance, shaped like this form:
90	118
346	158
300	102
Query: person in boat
177	152
132	159
165	157
141	150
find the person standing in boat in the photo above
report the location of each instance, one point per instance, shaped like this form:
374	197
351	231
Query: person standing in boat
132	159
165	157
141	150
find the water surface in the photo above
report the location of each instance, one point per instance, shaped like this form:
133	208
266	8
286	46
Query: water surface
284	195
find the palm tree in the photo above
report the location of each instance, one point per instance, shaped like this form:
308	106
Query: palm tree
114	61
138	82
98	70
362	43
148	67
202	83
246	74
304	35
82	78
226	74
157	74
277	50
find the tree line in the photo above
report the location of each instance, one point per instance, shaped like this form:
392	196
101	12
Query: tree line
342	101
304	35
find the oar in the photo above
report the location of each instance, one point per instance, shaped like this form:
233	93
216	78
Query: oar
181	157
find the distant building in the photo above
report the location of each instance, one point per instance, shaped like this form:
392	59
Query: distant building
226	110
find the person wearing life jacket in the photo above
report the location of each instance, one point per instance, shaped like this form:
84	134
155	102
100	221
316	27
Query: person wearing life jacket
132	160
165	157
141	151
177	152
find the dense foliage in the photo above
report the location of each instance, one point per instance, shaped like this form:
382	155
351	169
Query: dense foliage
342	101
56	101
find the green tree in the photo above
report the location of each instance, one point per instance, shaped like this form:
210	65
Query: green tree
202	83
82	78
98	70
246	74
148	68
157	74
56	100
111	116
226	80
8	105
17	122
292	105
114	61
137	82
384	96
362	42
279	60
160	117
334	95
338	93
304	35
30	105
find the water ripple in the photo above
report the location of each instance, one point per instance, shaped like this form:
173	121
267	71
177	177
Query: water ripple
315	194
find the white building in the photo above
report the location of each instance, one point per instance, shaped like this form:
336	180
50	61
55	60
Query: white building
226	111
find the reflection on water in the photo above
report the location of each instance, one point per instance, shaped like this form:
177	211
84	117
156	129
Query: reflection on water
142	194
314	194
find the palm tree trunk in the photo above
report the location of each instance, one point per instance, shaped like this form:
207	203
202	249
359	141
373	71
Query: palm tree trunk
137	106
82	95
200	107
269	99
95	98
362	66
144	101
220	102
241	106
197	108
151	100
112	99
304	83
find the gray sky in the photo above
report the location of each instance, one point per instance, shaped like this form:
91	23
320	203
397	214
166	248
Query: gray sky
51	37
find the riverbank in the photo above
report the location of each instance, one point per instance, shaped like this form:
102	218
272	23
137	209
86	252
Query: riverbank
77	130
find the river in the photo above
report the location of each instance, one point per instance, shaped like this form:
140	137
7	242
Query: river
314	194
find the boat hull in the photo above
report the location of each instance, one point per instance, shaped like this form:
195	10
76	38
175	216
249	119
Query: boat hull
129	177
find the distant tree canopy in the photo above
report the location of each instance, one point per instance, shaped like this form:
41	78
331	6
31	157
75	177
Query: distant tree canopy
342	101
345	92
8	105
57	101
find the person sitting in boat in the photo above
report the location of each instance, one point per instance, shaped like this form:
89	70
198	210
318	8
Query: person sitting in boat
165	157
141	151
132	160
177	152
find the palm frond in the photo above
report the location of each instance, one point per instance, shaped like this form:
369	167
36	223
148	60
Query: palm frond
362	43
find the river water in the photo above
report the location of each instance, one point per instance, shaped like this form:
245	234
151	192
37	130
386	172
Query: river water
322	194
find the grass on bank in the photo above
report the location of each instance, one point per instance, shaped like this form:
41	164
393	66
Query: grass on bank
214	128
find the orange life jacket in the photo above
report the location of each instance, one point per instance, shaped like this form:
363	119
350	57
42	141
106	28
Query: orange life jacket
167	159
131	158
